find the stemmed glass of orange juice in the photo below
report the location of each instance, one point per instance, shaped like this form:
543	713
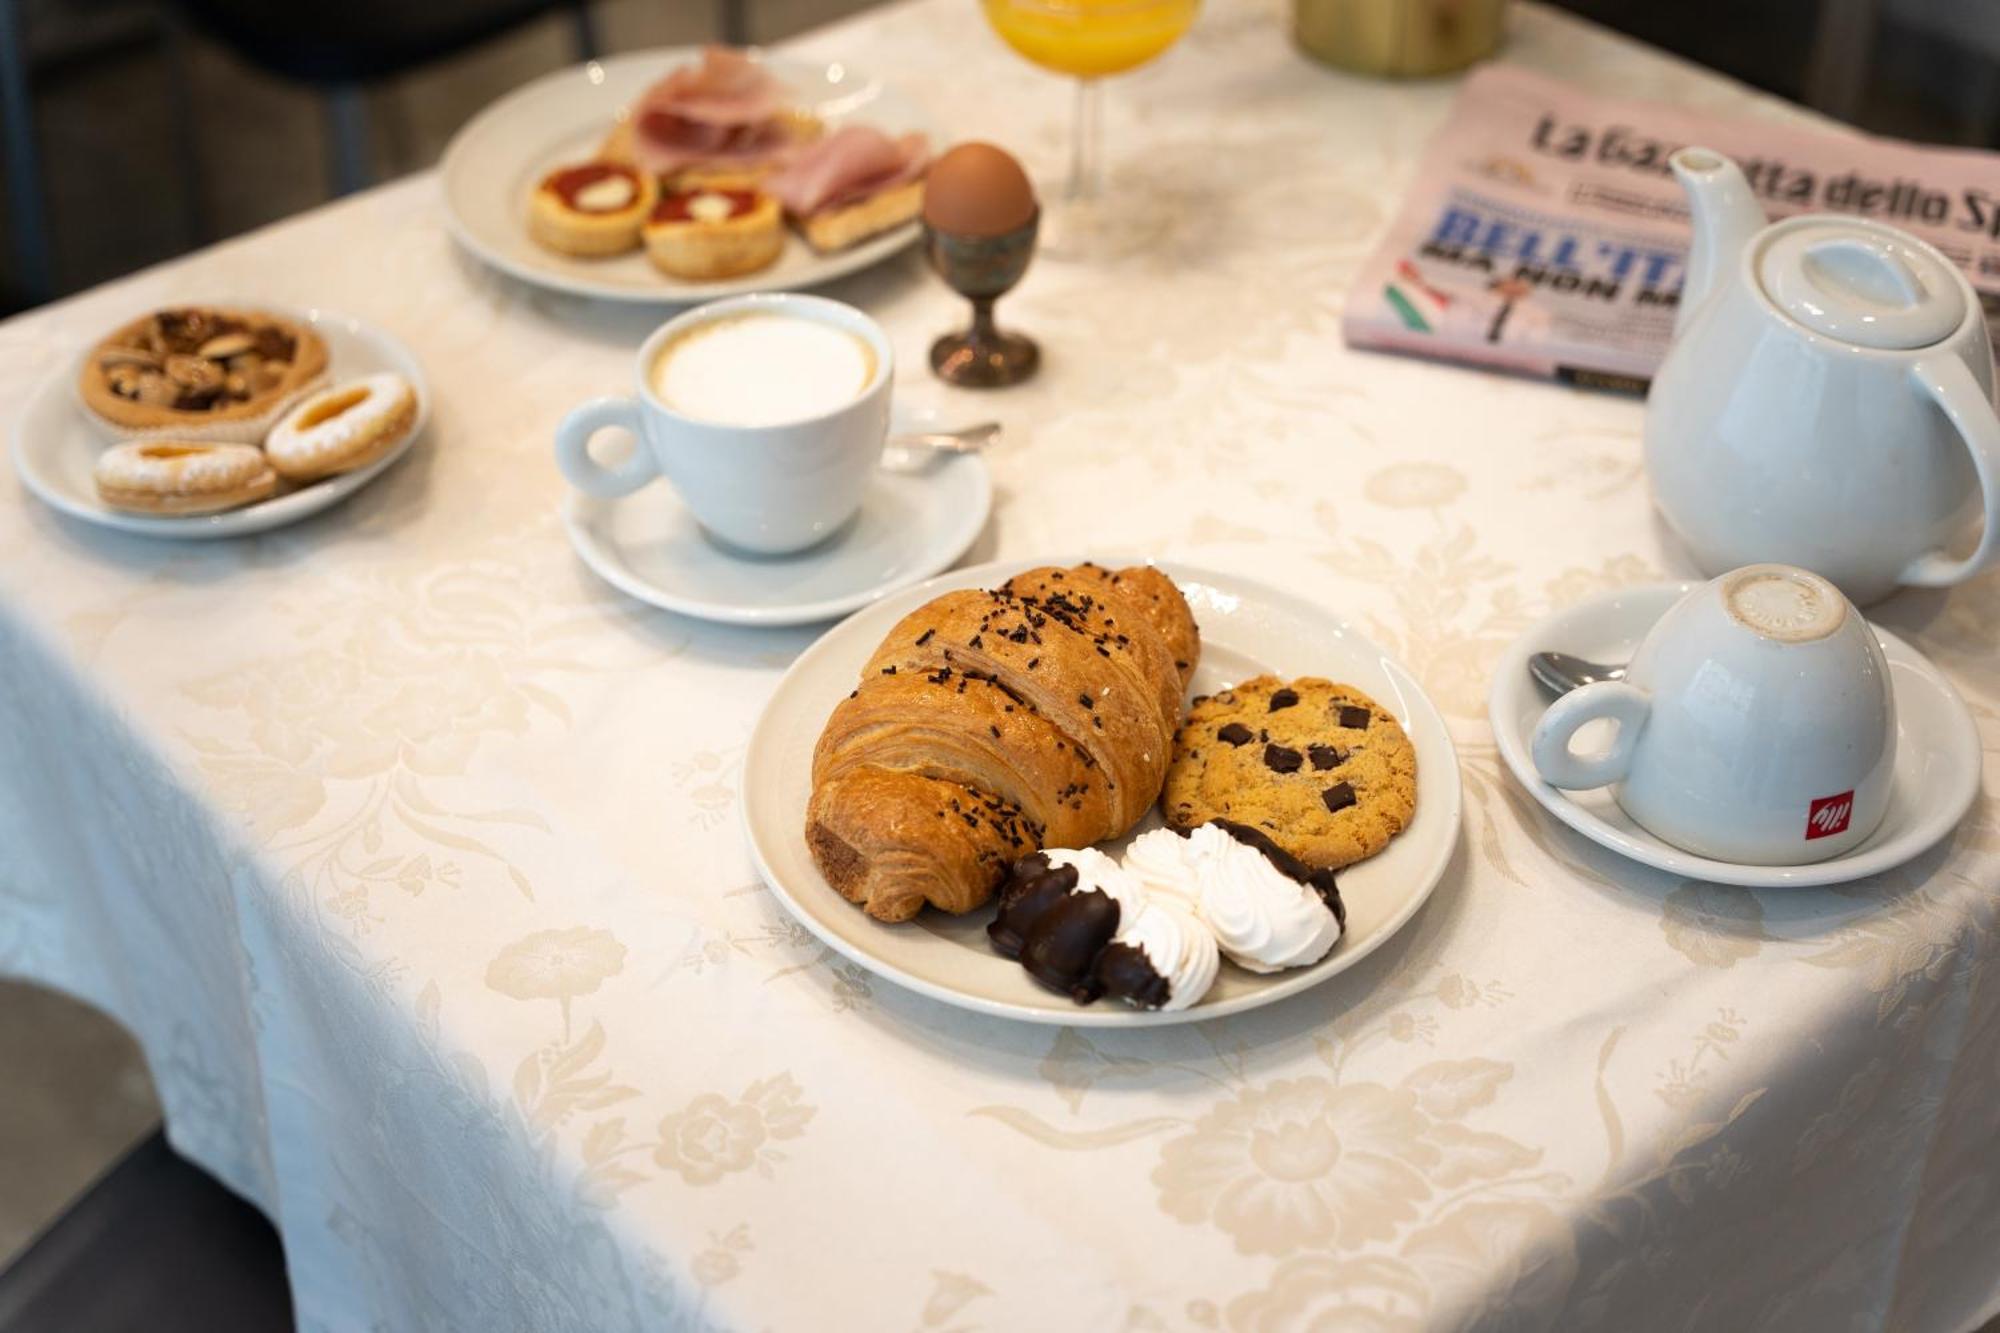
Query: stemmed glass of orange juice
1088	39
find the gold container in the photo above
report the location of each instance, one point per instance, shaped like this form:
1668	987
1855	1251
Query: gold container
1399	37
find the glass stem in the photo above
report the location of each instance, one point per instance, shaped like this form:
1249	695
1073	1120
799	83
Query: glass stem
984	332
1086	144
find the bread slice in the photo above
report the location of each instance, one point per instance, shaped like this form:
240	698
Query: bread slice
833	229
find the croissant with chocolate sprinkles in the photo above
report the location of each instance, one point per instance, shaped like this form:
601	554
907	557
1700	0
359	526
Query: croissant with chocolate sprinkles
990	724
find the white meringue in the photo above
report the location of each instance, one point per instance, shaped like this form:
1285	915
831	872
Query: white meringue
1179	947
1262	918
1159	860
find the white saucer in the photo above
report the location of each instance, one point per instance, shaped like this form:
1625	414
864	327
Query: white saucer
1247	628
55	446
1937	748
910	527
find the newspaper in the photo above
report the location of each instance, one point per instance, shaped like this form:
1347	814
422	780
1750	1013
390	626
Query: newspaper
1545	233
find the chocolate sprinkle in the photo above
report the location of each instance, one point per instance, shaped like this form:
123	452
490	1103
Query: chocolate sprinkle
1326	756
926	637
1086	701
1284	698
1353	715
1281	759
1235	733
1338	797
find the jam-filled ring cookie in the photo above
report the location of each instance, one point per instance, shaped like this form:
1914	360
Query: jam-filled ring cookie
343	428
182	476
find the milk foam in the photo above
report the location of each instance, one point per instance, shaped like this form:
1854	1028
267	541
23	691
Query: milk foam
762	370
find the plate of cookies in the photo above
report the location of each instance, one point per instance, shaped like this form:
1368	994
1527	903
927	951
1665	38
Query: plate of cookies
1100	794
686	174
200	421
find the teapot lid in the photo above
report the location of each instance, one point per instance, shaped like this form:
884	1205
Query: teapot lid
1862	284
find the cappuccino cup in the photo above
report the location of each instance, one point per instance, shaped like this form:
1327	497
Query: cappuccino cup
1755	725
766	413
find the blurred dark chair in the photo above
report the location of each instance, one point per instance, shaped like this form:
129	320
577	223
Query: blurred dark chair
340	48
155	1245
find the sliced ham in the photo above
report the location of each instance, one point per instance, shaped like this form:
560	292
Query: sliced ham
847	166
727	110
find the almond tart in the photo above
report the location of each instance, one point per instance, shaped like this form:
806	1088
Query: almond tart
200	373
704	234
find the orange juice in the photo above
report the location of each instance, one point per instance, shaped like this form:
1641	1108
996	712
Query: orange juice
1090	38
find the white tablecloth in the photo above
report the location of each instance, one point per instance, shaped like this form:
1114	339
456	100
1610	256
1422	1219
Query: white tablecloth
410	852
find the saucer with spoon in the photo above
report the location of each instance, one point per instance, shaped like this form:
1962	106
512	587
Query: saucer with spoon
762	471
1933	781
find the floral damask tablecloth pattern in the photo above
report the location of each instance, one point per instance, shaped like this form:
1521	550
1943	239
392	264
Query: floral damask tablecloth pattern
411	853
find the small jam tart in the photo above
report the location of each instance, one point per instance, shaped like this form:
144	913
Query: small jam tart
591	210
200	373
710	233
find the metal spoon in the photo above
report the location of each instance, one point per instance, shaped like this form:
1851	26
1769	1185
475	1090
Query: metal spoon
914	451
1559	673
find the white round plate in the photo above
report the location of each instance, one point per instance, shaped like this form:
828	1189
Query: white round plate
56	446
493	165
1246	629
1937	748
911	526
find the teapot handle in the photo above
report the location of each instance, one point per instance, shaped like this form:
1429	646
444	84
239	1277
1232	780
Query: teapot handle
1959	396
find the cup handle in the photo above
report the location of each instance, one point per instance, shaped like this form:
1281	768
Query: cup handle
1958	395
585	473
1622	703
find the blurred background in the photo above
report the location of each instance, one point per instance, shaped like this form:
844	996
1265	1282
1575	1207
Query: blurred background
136	130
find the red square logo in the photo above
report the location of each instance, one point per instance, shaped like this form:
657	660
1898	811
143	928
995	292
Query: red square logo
1829	815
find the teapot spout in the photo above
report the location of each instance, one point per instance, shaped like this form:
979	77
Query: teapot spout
1726	216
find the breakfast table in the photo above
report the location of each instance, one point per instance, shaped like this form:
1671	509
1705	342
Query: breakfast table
411	854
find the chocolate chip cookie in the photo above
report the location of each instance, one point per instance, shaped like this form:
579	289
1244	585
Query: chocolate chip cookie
1322	768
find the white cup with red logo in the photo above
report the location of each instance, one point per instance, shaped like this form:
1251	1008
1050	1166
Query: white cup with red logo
1755	725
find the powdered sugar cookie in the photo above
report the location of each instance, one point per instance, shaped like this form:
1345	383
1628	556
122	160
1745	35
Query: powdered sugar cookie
182	477
343	428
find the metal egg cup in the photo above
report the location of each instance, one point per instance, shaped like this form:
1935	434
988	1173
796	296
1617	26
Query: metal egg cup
982	269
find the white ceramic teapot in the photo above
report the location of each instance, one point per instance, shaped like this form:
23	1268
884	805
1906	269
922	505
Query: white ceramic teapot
1827	401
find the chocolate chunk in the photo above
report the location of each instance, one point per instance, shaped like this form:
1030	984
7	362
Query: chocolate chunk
1280	759
1235	733
1284	698
1320	882
1353	715
1125	973
1326	756
1338	797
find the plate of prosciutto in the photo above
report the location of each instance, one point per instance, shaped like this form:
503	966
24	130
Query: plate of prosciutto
684	174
